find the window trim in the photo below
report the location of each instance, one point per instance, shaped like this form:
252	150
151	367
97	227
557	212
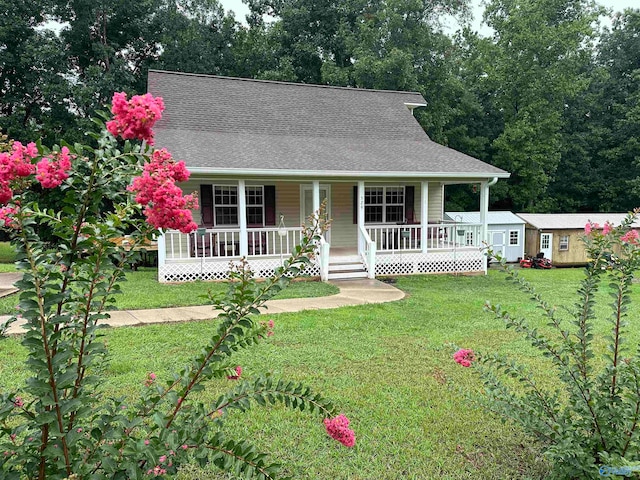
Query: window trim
517	232
261	205
561	243
215	205
384	203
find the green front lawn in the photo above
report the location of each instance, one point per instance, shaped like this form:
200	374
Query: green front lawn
385	365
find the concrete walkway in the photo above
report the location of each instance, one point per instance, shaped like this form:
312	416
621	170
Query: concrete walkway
352	292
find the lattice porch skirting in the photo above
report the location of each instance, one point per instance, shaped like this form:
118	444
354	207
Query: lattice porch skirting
219	270
460	261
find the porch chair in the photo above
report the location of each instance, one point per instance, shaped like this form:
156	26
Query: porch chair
201	246
256	241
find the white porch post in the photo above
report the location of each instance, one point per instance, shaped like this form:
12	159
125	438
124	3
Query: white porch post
484	208
361	246
316	196
162	255
242	217
424	216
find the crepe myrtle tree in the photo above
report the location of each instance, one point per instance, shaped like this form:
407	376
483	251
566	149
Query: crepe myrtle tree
587	420
64	207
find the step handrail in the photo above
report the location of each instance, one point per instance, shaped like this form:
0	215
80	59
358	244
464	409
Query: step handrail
367	250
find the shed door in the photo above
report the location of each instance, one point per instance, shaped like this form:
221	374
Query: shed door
497	238
546	244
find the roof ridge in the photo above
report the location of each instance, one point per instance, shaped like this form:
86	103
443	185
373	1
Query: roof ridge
279	82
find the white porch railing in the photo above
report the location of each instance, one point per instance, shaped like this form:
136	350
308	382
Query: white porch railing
216	243
443	236
273	241
367	250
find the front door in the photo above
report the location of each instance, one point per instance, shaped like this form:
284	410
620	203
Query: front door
546	244
497	241
307	203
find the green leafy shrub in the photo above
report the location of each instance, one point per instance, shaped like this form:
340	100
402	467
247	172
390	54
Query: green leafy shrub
79	198
587	423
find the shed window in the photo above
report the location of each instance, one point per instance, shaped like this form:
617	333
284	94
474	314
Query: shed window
468	236
514	237
564	242
384	204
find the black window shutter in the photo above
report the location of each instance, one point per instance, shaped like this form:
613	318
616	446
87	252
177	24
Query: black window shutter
409	209
355	204
269	204
206	205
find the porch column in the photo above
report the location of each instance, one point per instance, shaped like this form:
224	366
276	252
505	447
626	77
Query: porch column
424	216
484	207
316	197
242	218
361	246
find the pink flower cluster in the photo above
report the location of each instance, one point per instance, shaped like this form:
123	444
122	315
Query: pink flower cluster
589	227
15	164
150	379
135	118
464	357
338	429
53	170
237	375
7	214
630	237
166	207
18	402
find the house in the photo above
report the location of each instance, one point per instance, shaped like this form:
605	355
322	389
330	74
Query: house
505	231
558	235
265	154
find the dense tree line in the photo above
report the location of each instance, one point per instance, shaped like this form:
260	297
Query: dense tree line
550	96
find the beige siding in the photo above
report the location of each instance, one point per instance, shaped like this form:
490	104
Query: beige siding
288	203
436	203
343	230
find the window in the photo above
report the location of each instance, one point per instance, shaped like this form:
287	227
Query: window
255	205
564	242
384	205
225	201
514	237
468	236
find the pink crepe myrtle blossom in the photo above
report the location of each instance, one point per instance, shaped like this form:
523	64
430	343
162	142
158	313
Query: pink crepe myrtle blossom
338	429
464	357
17	163
165	205
631	237
589	227
7	216
151	377
237	375
134	118
18	402
53	169
606	230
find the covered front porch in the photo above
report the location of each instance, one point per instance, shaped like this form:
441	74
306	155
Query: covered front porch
378	228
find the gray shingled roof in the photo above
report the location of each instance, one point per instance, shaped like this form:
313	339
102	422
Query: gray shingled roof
563	221
226	125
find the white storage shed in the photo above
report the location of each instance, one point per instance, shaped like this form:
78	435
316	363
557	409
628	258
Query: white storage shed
505	231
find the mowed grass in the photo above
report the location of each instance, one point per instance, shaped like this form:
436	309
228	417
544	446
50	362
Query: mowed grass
142	290
388	368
